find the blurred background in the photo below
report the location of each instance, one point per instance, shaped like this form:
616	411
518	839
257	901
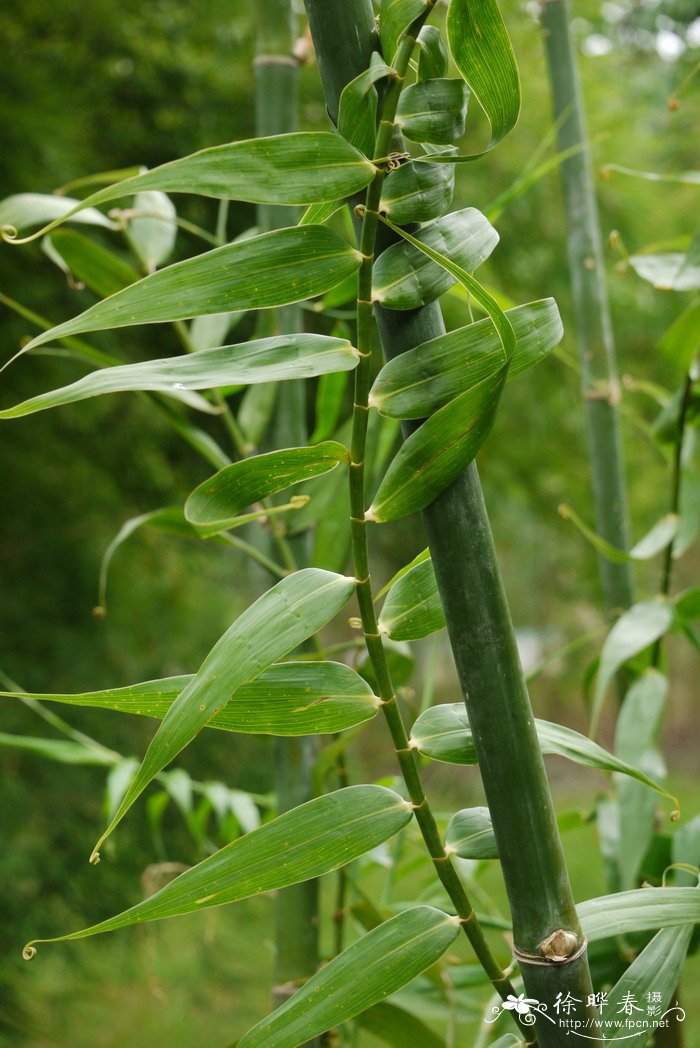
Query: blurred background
91	87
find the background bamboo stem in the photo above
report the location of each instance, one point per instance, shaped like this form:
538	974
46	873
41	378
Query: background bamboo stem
276	104
480	629
599	382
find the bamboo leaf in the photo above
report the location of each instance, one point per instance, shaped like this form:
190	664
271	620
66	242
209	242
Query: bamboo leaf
416	192
379	963
357	113
657	969
682	340
418	382
273	269
307	841
470	834
153	232
64	751
215	504
101	270
209	332
667	272
691	178
408	275
638	911
25	210
656	540
483	54
685	848
433	59
412	608
397	1027
438	452
299	168
288	698
395	16
330	394
443	733
284	617
634	631
687	604
635	733
433	111
263	360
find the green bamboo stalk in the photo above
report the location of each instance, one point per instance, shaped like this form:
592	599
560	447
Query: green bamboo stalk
482	639
599	382
276	105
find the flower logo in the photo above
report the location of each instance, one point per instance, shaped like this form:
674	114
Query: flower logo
520	1004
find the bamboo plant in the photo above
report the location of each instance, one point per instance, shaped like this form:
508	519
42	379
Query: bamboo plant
444	389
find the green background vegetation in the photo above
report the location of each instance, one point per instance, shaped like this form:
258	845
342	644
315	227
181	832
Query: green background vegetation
92	87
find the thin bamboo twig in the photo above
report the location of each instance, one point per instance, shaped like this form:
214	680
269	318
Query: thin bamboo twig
599	382
480	631
276	104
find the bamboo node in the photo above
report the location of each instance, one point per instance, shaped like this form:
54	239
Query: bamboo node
559	946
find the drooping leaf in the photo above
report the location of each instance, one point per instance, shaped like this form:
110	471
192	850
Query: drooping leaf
153	228
281	619
397	1027
682	340
64	751
483	54
635	736
638	911
443	733
667	272
215	504
417	192
357	112
470	834
685	849
405	277
25	210
691	178
288	698
307	841
379	963
433	59
263	360
395	16
634	631
657	969
96	267
273	269
299	168
433	111
656	540
413	609
418	382
436	454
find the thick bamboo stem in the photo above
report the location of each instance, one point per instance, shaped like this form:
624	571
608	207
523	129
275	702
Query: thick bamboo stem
481	634
600	387
276	103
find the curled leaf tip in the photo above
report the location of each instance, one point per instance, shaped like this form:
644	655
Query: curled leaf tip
99	612
8	233
675	814
564	511
29	952
94	858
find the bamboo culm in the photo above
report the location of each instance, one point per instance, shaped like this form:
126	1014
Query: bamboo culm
479	623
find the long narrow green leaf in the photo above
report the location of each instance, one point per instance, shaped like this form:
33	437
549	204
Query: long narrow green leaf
433	59
381	962
638	911
263	360
640	626
408	275
438	452
357	113
25	210
299	168
417	192
101	270
412	608
215	504
284	617
62	750
416	383
395	16
434	111
398	1027
273	269
307	841
656	970
289	698
443	733
483	54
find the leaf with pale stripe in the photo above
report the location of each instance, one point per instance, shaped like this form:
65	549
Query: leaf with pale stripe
281	619
306	842
382	961
248	363
288	698
433	111
412	608
24	210
638	911
470	834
